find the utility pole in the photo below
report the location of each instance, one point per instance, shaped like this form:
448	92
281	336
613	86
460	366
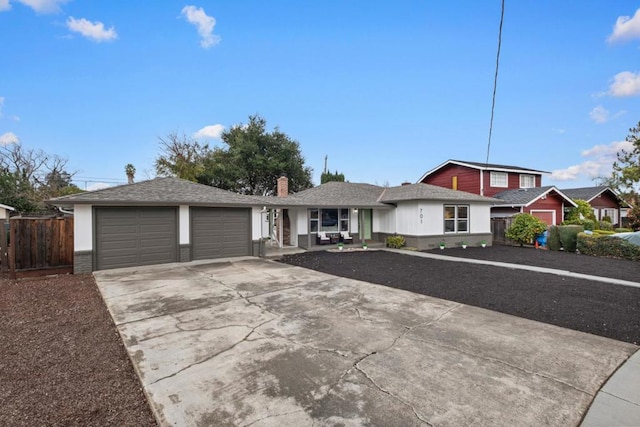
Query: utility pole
325	163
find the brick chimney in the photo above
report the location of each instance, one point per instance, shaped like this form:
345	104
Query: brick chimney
283	186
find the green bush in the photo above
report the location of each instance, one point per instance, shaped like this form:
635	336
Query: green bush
603	232
569	236
606	218
605	225
553	239
607	246
524	228
587	224
623	230
396	242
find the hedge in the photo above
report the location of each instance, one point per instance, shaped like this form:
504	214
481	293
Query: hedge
607	246
569	236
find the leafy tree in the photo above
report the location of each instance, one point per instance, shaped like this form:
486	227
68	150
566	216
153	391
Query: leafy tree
582	211
524	228
626	169
181	157
328	176
634	218
253	159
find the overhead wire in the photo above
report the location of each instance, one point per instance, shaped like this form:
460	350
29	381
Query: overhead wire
495	83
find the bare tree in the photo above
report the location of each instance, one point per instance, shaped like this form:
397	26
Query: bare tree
181	157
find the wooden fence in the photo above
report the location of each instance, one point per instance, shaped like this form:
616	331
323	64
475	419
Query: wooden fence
498	227
40	246
4	246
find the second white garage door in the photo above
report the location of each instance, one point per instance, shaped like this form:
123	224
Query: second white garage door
220	232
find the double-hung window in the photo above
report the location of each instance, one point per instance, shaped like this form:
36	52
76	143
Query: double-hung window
499	179
456	218
527	181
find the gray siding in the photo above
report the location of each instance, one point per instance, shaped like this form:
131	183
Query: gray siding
128	237
220	233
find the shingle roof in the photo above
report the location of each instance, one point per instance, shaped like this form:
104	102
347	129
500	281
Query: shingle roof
337	194
589	193
430	192
584	193
160	191
525	196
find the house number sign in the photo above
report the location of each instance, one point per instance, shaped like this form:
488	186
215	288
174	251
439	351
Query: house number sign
421	215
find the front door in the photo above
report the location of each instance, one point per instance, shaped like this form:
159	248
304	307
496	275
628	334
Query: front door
364	229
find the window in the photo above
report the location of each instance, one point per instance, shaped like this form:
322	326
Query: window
313	217
456	219
331	220
527	181
499	179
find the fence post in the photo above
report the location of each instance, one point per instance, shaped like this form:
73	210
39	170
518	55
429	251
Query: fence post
12	249
4	250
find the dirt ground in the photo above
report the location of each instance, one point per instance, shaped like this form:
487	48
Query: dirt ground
598	308
61	358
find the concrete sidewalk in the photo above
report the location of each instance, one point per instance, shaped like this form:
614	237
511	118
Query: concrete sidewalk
255	342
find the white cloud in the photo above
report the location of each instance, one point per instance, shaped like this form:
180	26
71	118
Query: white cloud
600	158
625	83
626	28
203	23
91	30
4	5
210	132
599	114
44	6
9	138
98	186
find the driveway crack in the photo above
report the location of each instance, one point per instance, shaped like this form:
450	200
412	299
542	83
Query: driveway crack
502	362
273	416
213	356
387	392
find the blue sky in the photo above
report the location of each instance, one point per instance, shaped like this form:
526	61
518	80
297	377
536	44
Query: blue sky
387	90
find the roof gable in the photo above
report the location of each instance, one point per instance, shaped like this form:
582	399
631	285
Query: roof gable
483	166
590	193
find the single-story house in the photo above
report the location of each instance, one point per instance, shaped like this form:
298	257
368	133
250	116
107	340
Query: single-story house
171	220
603	200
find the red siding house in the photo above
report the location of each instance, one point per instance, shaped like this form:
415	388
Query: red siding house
520	189
603	200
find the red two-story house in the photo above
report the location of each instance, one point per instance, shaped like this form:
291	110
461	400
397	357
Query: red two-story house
520	189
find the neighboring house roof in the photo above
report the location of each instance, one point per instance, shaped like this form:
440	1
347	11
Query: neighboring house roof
527	196
336	194
430	192
484	166
590	193
159	191
9	208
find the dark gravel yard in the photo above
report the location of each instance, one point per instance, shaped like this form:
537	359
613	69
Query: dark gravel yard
61	359
598	308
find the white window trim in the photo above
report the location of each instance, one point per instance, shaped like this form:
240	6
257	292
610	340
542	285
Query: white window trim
533	177
493	183
455	219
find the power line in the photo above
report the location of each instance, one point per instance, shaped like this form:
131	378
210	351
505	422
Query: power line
495	82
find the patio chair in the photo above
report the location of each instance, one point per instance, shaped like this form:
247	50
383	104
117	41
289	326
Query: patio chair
345	237
322	238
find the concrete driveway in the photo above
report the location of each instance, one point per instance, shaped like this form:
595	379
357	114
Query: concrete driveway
255	342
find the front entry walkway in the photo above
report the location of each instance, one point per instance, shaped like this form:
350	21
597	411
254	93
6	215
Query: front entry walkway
255	342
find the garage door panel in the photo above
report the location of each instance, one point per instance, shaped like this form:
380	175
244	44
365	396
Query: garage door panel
220	232
127	237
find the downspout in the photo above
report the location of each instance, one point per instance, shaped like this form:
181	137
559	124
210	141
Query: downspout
481	182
